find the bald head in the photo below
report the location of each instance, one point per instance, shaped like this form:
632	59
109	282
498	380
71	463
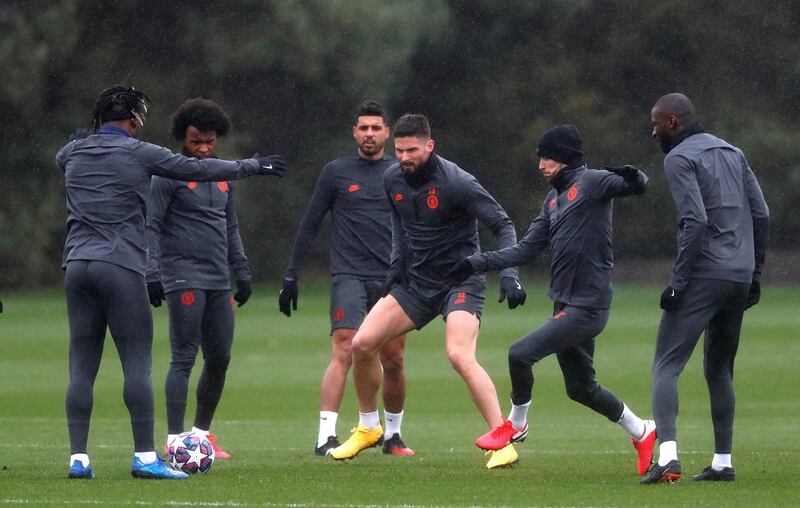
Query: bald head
670	115
678	105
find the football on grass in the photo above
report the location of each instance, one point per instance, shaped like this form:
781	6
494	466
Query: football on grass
190	453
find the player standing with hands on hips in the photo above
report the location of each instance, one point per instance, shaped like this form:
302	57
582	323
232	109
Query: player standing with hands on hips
193	243
723	224
436	206
351	188
575	222
107	178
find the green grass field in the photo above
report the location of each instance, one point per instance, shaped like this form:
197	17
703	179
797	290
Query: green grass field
268	416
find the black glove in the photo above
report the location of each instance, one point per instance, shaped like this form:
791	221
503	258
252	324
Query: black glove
155	291
243	292
627	172
671	299
288	295
459	273
752	299
1	306
80	133
511	288
271	164
395	276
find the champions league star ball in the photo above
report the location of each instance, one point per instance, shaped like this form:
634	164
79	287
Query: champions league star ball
190	453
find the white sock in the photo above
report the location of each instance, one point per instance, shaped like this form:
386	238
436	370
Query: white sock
327	426
393	423
369	420
146	457
171	438
200	432
631	423
720	461
519	414
84	458
668	450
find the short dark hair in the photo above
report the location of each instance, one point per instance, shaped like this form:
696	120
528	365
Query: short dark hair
119	103
412	124
371	108
203	114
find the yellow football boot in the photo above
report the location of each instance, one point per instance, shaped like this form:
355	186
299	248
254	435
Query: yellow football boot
504	457
361	439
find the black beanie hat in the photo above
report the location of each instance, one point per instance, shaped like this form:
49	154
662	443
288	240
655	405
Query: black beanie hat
562	143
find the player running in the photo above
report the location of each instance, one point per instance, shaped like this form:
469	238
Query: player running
351	188
193	238
435	206
107	182
575	223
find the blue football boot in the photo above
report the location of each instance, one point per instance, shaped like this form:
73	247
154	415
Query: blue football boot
76	470
158	470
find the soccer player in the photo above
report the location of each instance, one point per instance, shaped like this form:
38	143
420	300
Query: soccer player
435	206
351	188
723	224
193	238
575	222
107	178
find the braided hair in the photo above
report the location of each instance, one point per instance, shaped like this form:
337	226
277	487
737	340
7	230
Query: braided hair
119	103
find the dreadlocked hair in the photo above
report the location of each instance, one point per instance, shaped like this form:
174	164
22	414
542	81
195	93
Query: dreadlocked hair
119	103
203	114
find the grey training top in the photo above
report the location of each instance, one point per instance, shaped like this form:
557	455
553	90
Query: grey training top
108	181
352	189
576	222
435	223
723	220
193	236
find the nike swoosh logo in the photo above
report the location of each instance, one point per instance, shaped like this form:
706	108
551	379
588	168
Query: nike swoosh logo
323	417
673	293
266	166
518	286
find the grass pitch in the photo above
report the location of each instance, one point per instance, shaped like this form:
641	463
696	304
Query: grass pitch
268	416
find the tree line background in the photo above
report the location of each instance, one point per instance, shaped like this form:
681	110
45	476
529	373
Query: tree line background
491	76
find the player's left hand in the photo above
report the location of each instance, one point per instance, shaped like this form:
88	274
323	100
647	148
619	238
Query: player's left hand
627	172
755	294
243	292
511	288
460	272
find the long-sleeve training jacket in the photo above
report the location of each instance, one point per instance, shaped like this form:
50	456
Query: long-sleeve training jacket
351	188
193	235
575	221
723	219
435	223
108	182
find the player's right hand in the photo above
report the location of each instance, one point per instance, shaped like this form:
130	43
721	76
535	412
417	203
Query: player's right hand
273	165
627	172
287	298
671	299
155	291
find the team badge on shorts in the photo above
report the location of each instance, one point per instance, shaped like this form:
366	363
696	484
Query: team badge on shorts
187	298
338	314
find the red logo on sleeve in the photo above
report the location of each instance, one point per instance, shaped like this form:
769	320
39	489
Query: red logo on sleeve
460	298
187	298
223	186
192	185
572	193
560	315
353	187
552	203
338	314
398	197
433	199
